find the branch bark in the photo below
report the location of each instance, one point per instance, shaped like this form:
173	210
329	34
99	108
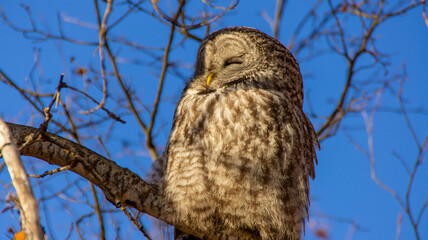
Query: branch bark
121	186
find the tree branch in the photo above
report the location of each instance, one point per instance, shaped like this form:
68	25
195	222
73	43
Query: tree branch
28	205
120	186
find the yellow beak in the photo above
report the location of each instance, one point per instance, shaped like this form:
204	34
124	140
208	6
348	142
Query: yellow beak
209	78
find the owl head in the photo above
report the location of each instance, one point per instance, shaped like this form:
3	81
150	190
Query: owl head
243	57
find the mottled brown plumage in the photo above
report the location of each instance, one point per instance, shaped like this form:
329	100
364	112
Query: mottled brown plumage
241	150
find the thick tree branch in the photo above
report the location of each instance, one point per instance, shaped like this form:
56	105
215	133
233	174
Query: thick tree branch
28	205
120	186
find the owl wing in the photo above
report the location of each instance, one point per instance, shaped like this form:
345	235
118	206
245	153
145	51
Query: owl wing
311	143
157	171
304	152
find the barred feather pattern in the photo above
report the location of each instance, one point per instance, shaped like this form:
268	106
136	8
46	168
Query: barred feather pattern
241	149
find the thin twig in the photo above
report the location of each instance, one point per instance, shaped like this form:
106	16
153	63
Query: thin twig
11	83
352	222
174	22
110	114
278	15
399	224
51	172
350	75
98	211
134	221
118	77
149	141
101	39
48	116
39	35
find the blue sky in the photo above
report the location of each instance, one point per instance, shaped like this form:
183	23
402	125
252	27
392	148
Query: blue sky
342	189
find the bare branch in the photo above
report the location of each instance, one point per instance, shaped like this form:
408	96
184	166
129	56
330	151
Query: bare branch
98	211
101	39
149	142
110	114
135	222
280	4
399	224
368	122
232	5
38	34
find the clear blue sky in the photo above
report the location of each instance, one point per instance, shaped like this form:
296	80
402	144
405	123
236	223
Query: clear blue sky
342	189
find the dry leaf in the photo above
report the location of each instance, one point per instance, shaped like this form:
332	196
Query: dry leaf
19	236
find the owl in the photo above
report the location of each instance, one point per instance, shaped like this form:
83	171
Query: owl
241	149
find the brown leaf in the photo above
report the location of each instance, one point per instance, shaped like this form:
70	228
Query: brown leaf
81	71
19	236
321	233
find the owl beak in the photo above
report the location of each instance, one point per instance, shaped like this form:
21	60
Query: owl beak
209	79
